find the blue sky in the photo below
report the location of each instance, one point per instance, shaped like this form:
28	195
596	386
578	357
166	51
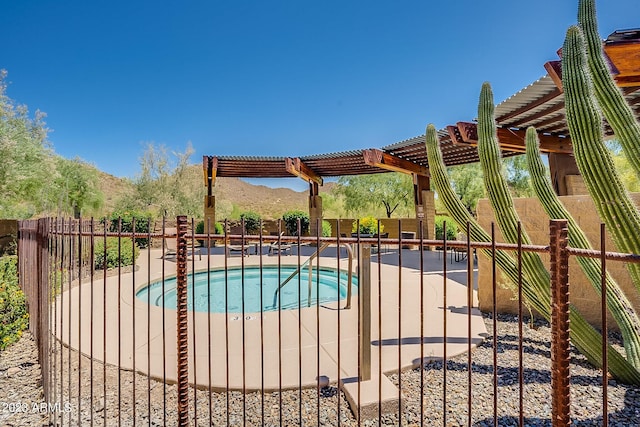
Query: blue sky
271	78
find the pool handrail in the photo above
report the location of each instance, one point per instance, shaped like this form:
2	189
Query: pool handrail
314	255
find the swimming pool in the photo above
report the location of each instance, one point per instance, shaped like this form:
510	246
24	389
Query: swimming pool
227	290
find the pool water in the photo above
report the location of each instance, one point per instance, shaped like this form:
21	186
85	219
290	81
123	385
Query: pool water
332	286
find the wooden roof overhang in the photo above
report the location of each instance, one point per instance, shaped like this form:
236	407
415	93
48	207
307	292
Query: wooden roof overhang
540	104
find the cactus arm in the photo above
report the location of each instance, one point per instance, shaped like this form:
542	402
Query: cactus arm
592	157
614	106
586	339
498	191
461	216
619	305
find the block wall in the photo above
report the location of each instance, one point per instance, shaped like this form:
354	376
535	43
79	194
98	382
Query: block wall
536	222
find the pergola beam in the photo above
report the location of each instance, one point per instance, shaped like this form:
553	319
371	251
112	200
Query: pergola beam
382	160
296	167
510	139
625	57
624	60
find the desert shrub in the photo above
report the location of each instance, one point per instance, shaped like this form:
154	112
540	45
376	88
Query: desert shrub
128	254
218	228
368	225
13	308
326	228
451	227
142	221
291	218
252	222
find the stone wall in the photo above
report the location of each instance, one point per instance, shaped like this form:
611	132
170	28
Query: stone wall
536	222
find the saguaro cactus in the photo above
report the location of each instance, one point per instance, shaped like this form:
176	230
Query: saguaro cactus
621	308
592	157
461	216
498	190
616	110
584	336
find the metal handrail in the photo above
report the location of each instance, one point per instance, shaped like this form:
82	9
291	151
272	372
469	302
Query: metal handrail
311	258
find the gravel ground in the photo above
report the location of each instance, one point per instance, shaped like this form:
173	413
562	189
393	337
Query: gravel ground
20	375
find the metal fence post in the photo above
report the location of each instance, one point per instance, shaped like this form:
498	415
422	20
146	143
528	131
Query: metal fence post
560	356
43	300
364	287
182	319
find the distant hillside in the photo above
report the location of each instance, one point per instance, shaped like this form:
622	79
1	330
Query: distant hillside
113	189
270	203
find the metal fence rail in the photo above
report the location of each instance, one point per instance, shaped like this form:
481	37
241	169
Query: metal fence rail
176	341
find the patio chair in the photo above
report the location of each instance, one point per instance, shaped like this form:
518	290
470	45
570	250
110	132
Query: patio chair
279	247
237	246
460	254
170	246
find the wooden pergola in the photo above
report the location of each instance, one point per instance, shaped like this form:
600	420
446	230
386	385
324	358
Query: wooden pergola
540	104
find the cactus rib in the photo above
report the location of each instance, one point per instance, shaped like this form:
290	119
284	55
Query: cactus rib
616	110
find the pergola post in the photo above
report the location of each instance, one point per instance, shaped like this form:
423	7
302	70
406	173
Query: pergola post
315	209
209	167
210	213
565	175
425	205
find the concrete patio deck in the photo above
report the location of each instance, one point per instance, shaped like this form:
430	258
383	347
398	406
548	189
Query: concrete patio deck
234	346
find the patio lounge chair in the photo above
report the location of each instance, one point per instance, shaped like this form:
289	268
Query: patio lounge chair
170	247
279	247
236	246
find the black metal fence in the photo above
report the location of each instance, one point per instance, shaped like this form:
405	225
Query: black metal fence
175	339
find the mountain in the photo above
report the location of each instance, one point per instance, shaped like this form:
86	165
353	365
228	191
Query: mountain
270	203
232	195
113	189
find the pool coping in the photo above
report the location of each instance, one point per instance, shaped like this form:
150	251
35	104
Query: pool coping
269	363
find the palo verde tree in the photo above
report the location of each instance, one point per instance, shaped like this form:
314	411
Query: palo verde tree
366	194
467	183
76	186
26	160
167	184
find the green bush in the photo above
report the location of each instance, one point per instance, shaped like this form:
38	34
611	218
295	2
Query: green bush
368	225
13	308
128	254
291	218
218	228
252	222
326	228
452	230
142	224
